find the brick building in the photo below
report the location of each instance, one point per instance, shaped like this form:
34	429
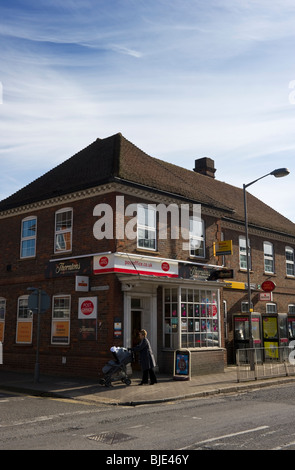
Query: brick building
73	233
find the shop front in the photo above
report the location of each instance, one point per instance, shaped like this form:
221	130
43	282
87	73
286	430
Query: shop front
178	314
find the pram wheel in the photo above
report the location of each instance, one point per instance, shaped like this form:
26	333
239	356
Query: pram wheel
126	381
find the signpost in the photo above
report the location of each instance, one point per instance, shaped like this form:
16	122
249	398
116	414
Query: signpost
38	302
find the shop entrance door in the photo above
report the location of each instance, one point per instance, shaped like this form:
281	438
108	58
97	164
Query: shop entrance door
140	312
135	329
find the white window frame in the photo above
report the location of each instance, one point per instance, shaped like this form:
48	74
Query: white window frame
197	237
147	224
290	265
243	253
64	316
63	235
271	308
291	309
268	257
32	239
191	318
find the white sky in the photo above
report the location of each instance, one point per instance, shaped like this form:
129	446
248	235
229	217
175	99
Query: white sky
181	79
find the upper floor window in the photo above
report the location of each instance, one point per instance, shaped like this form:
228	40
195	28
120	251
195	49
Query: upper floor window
197	237
268	257
63	230
290	271
146	227
28	237
271	308
243	252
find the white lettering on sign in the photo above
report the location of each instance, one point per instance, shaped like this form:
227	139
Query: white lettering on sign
87	308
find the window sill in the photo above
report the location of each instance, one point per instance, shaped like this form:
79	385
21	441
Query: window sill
147	250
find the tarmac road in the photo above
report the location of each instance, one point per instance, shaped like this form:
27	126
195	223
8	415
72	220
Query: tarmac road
247	420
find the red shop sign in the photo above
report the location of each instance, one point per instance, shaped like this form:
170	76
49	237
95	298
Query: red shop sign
268	286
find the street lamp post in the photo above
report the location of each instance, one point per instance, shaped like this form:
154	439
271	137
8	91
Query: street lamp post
279	173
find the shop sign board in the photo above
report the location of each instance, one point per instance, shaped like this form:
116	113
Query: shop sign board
133	264
223	248
195	271
82	283
87	308
265	296
268	286
68	267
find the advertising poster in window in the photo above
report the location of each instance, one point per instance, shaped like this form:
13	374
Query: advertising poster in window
270	327
271	350
1	331
60	332
24	332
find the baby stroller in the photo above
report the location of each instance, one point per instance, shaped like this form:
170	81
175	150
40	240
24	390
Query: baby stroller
116	369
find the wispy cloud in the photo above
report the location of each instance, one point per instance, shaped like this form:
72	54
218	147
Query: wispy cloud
179	78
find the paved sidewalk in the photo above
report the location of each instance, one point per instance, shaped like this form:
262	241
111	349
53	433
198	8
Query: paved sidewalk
166	389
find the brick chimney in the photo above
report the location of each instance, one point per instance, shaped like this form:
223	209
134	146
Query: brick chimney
205	166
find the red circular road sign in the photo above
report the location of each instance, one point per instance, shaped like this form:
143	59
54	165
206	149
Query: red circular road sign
268	286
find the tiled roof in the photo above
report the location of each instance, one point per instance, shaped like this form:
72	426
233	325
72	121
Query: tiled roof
115	158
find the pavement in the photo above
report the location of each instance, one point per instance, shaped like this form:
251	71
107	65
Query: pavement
166	390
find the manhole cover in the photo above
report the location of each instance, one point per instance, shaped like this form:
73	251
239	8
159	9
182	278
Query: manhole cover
110	437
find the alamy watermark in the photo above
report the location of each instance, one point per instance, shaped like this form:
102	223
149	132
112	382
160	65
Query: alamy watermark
145	220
